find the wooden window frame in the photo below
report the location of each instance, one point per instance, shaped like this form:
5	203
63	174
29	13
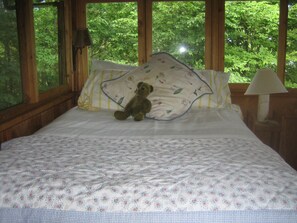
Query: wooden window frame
31	95
63	68
75	17
215	32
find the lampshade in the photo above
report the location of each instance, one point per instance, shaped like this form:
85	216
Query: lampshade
264	82
82	38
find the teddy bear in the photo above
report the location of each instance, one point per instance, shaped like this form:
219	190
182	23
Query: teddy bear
139	105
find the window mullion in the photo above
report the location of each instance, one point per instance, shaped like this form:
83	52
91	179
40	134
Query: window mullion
283	25
27	51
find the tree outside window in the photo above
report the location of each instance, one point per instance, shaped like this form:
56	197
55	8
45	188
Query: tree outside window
179	29
10	77
251	38
114	32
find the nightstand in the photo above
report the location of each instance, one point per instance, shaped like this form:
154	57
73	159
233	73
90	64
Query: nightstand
268	132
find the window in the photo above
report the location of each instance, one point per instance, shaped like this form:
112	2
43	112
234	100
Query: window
10	76
291	51
49	28
179	29
114	32
251	37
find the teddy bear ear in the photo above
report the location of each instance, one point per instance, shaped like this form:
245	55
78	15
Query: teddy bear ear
152	88
139	84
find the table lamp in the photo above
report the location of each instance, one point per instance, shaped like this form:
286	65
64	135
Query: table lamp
264	83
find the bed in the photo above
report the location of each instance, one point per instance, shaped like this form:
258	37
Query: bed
197	164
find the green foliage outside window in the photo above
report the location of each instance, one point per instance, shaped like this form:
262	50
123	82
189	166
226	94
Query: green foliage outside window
114	32
251	38
10	77
179	29
46	40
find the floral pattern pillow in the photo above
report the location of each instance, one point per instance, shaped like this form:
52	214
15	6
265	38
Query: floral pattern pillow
176	86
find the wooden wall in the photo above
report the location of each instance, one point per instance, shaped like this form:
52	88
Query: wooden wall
30	119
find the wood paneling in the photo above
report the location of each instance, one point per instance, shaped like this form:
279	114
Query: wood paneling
31	119
268	132
288	145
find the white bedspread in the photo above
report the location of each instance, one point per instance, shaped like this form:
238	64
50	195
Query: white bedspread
86	164
209	123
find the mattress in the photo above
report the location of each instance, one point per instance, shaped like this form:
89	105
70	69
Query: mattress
205	166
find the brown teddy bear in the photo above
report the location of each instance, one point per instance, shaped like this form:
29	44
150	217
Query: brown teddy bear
139	105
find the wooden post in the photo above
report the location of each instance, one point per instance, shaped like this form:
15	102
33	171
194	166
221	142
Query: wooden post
27	50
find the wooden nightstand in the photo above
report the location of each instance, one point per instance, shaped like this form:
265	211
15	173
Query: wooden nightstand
268	132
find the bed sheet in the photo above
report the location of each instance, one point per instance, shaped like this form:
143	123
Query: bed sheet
195	123
87	167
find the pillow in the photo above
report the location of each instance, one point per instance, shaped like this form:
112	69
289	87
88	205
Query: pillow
176	86
92	98
221	97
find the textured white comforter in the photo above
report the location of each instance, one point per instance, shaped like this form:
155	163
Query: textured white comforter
63	168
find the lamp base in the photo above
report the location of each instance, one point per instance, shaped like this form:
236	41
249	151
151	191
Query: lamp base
263	108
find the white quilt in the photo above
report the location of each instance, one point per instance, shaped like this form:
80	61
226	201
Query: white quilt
108	173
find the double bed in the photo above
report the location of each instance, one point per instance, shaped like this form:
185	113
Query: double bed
202	165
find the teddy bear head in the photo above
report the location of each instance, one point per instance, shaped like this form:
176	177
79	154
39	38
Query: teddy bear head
143	89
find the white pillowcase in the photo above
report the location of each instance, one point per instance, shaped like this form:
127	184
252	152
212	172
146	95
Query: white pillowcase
176	86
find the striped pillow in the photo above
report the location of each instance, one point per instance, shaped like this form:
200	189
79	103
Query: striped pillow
92	98
221	97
